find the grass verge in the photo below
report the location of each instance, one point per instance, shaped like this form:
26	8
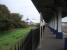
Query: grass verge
11	37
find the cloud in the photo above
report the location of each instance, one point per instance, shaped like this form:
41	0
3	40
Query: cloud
24	7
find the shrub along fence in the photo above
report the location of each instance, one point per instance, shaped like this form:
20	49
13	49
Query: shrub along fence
30	42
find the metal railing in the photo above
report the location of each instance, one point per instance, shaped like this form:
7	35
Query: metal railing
30	42
18	45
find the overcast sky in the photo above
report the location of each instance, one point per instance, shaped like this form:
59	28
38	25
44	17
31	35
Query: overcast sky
64	19
24	7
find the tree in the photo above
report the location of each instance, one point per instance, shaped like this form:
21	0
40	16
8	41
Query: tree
16	19
4	14
10	20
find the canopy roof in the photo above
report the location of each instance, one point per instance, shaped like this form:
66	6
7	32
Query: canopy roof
48	8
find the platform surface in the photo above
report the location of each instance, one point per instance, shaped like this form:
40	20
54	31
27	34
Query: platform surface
49	41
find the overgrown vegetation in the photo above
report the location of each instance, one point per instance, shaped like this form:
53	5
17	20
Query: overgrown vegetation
9	39
9	20
12	28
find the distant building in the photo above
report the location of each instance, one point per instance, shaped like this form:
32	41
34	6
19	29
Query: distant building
64	23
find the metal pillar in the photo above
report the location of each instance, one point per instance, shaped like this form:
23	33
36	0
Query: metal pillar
51	23
41	30
59	19
55	23
59	34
